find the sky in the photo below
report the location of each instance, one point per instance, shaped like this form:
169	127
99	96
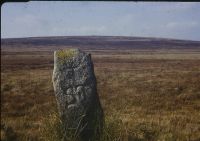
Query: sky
180	20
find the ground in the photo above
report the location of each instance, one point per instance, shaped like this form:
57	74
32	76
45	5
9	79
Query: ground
146	94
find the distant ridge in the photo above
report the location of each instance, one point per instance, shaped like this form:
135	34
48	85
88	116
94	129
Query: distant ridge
112	42
99	36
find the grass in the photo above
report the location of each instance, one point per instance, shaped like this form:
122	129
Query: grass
143	100
115	130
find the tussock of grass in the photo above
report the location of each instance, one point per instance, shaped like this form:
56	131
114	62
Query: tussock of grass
114	130
53	130
7	133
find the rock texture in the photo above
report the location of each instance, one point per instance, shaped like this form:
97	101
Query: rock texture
75	90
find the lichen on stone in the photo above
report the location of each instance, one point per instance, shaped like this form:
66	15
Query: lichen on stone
66	54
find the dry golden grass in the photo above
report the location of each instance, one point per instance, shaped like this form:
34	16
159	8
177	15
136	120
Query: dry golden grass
154	98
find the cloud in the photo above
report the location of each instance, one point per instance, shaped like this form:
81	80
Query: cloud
184	5
80	30
182	25
174	6
27	21
92	29
26	25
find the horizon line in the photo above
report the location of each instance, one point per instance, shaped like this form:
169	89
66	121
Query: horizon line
166	38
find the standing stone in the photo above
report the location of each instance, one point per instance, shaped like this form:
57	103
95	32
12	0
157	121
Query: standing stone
76	94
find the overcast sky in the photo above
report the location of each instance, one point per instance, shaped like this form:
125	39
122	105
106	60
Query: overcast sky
179	20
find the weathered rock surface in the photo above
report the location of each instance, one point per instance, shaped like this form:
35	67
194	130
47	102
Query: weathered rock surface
76	94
